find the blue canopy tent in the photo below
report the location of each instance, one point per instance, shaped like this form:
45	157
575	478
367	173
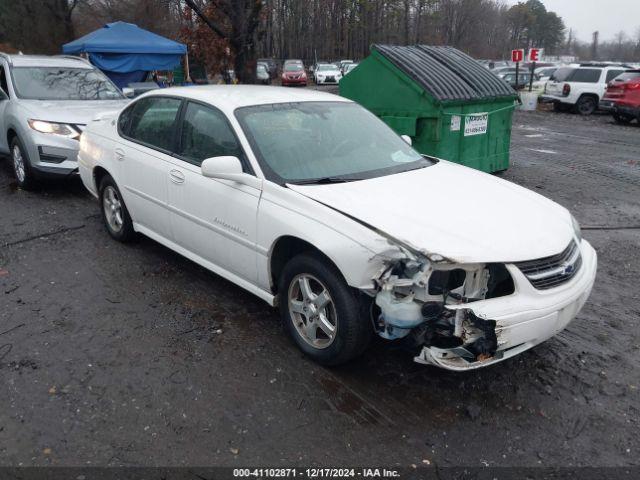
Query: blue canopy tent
125	52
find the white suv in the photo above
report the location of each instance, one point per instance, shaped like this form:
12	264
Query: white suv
580	88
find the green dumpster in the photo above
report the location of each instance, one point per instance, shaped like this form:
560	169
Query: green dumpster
451	106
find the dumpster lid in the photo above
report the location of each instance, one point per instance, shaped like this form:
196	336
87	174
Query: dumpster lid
446	73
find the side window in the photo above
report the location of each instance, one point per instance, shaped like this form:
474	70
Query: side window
206	133
3	80
153	121
124	121
586	75
613	74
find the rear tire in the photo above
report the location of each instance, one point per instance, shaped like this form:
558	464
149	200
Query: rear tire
327	319
115	215
25	177
586	105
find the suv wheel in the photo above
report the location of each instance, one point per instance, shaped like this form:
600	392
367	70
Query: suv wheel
21	165
586	105
114	212
326	318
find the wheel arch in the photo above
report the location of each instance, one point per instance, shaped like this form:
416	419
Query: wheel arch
11	134
99	172
284	249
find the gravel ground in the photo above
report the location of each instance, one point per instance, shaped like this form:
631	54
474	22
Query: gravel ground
133	355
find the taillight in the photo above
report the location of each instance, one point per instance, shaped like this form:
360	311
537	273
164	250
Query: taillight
566	90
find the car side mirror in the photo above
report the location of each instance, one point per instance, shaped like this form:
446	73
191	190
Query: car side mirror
128	92
228	168
407	139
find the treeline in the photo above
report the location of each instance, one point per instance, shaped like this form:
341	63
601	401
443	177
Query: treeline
231	33
332	29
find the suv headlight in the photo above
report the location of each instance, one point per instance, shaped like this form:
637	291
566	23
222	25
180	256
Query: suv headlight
61	129
576	228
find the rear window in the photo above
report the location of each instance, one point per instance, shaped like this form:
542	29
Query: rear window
611	74
585	75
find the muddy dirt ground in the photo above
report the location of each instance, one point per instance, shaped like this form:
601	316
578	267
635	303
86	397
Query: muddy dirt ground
133	355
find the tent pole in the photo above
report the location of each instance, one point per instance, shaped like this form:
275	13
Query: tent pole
187	74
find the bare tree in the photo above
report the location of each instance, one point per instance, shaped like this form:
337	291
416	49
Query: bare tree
235	21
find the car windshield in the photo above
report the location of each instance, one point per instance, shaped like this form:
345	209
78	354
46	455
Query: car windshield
293	67
322	68
321	142
62	83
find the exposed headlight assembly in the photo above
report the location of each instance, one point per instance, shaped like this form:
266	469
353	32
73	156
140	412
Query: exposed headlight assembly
61	129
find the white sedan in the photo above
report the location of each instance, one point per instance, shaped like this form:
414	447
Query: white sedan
314	205
327	73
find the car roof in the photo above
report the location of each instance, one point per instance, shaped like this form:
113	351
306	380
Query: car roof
48	61
230	97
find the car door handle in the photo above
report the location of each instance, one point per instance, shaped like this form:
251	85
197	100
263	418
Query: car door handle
176	176
119	154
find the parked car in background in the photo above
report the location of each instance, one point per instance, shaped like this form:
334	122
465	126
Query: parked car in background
262	73
344	63
293	74
622	98
45	103
544	73
581	88
293	61
497	64
502	71
136	89
327	73
272	66
295	196
524	79
349	67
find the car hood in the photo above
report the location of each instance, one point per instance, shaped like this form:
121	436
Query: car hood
329	72
70	111
462	214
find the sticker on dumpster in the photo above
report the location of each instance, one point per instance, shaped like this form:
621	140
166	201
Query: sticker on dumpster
455	123
476	124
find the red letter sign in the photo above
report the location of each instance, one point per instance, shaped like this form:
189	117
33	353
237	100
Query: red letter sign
517	55
535	55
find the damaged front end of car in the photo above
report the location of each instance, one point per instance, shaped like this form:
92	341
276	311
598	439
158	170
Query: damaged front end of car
427	300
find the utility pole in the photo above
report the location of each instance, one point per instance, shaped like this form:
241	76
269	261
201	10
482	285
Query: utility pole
594	46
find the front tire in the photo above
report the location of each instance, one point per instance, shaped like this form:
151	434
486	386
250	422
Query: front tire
25	177
114	211
326	318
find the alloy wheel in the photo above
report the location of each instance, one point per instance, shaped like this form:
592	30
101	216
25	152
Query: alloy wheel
18	164
312	311
112	208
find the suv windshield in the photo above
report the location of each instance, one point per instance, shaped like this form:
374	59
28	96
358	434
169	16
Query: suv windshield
63	83
318	142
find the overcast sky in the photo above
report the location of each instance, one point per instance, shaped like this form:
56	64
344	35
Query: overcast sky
587	16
